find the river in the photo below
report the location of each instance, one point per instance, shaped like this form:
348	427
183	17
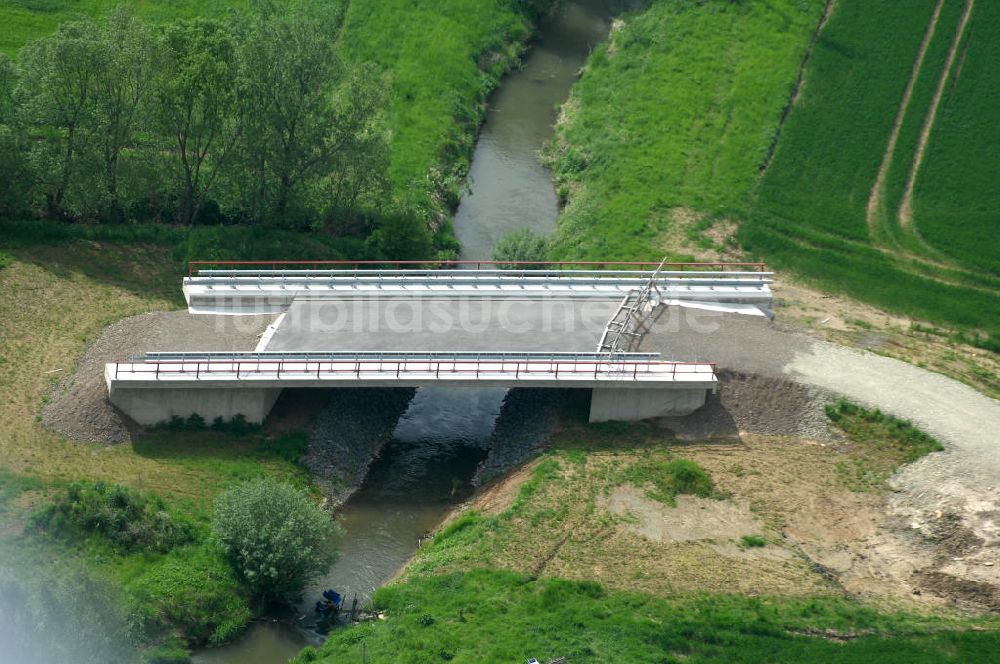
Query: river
427	466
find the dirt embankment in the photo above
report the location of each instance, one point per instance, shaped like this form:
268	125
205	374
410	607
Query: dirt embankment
79	409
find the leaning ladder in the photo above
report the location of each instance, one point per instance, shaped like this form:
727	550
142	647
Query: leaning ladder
628	324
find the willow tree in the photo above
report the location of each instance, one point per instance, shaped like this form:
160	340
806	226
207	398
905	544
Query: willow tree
121	91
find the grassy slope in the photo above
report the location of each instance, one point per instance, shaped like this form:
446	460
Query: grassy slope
957	200
810	212
442	59
56	301
678	111
492	588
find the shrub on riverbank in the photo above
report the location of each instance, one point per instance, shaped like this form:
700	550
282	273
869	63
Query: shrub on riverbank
275	537
130	520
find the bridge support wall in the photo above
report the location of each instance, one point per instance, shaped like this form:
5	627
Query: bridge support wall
624	404
148	406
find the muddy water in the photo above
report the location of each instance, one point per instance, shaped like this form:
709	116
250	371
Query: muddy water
443	437
425	469
509	188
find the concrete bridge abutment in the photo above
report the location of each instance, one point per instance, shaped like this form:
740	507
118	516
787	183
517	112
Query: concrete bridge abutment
153	406
623	404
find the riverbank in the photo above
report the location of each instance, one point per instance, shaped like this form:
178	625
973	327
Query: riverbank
605	531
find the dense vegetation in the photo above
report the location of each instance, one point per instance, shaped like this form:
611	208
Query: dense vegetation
154	573
252	119
811	214
678	109
366	147
130	520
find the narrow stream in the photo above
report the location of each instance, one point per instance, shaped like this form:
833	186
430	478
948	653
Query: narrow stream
509	189
443	436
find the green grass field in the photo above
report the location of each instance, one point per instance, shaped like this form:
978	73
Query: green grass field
24	20
442	59
957	198
677	111
491	616
811	210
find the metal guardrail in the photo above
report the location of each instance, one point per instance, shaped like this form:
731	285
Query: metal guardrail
353	356
194	266
417	368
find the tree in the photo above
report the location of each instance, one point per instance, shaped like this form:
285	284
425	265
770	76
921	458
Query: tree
15	173
121	87
522	245
309	118
274	536
55	93
196	102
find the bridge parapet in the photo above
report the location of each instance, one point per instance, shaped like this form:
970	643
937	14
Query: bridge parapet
157	387
273	290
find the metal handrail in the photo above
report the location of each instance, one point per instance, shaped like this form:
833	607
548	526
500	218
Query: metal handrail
314	356
723	266
402	366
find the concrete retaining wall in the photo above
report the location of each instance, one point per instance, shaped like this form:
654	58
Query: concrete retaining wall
624	404
152	406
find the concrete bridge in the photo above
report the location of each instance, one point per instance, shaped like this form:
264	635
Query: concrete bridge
362	326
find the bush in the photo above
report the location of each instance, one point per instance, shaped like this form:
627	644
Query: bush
521	246
274	536
131	520
752	541
671	478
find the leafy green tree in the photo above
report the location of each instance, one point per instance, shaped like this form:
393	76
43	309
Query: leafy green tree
522	245
312	133
196	103
121	90
55	95
274	536
15	173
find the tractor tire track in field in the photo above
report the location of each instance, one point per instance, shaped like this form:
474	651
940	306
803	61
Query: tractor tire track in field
800	80
906	207
875	197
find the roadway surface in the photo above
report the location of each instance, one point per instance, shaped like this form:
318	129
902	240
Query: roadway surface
443	325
